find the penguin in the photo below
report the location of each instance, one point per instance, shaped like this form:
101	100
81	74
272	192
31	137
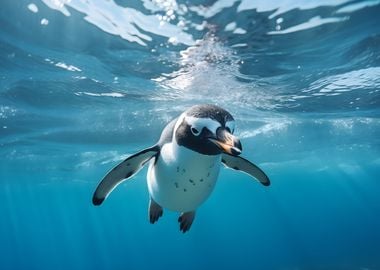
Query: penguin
184	164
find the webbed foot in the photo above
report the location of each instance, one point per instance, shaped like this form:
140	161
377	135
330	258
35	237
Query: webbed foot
155	211
185	220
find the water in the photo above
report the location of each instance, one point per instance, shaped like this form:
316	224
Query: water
84	84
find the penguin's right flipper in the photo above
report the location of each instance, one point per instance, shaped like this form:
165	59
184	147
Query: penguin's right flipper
241	164
121	172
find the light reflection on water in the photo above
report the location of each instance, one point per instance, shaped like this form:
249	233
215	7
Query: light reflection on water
169	19
128	23
207	56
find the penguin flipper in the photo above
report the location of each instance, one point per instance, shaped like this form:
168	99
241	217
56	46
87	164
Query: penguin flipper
241	164
121	172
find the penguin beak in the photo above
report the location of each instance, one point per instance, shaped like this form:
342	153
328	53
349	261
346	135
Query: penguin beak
227	142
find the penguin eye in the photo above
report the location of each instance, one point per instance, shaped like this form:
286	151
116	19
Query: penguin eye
195	131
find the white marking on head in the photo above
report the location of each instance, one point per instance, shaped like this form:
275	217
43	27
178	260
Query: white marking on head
197	123
178	123
200	123
231	126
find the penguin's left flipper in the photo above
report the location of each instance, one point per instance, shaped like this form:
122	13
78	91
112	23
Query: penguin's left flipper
241	164
121	172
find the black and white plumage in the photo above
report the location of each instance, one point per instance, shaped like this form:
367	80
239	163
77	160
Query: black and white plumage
184	163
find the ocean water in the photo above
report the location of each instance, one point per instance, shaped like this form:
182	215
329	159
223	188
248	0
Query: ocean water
85	83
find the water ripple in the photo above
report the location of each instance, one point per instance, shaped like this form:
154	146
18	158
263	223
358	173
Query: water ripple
128	23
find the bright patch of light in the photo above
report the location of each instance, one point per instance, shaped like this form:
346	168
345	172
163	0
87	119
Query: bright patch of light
357	6
67	67
313	22
33	8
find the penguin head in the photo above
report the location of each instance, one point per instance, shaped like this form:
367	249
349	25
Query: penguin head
208	130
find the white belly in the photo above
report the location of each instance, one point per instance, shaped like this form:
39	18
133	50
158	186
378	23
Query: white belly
182	181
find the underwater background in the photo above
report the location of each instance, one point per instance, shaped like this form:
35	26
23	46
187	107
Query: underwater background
86	83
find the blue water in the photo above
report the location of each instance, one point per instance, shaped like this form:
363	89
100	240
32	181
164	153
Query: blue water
84	84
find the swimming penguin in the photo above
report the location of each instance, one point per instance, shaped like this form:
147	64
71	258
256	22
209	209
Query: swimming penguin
184	163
